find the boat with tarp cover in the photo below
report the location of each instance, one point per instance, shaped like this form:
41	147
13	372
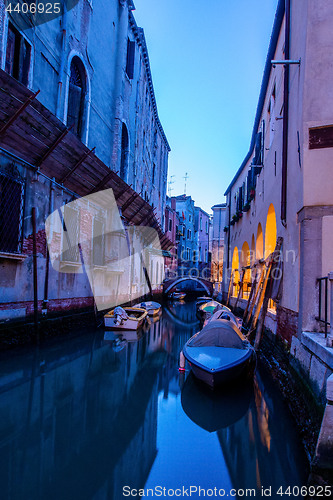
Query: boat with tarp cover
219	353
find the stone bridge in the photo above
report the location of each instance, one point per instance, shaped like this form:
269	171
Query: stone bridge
168	285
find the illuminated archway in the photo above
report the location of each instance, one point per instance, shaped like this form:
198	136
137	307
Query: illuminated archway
270	231
246	261
253	250
259	243
235	269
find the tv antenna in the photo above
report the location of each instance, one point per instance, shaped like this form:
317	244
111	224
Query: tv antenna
185	177
170	189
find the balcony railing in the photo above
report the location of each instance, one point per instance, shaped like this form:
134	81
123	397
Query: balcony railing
323	302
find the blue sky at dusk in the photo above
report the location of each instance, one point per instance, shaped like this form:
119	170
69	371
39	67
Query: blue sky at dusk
207	60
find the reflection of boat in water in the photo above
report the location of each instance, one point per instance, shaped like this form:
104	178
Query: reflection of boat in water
124	335
219	353
214	410
152	308
176	296
134	320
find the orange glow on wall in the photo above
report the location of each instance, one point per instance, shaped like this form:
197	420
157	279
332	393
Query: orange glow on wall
270	231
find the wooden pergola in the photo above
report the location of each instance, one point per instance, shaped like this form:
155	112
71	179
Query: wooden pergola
33	134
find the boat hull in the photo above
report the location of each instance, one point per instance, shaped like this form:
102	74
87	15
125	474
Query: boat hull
129	324
132	323
217	378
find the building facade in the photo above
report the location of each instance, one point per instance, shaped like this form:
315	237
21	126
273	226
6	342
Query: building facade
217	242
172	233
203	257
282	188
94	126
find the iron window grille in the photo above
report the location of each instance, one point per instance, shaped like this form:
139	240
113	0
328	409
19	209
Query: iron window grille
98	242
70	248
11	213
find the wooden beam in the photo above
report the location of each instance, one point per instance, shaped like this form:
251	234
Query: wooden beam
52	148
18	112
253	286
241	282
262	275
230	286
122	192
268	291
77	165
128	202
136	212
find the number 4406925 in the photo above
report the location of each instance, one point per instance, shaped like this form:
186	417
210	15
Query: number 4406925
32	8
303	491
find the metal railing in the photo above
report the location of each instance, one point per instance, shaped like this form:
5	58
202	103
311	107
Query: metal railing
319	318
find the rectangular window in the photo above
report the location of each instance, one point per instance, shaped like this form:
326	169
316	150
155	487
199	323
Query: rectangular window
70	249
98	242
206	226
11	214
17	55
200	223
130	59
170	224
189	218
206	255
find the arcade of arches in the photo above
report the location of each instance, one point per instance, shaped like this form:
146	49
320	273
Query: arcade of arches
262	245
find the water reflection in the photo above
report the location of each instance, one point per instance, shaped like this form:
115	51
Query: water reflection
80	420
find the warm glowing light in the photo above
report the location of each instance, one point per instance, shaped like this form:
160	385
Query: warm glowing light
270	231
259	243
235	269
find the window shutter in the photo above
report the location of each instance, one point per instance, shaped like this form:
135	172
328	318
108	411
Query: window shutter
130	59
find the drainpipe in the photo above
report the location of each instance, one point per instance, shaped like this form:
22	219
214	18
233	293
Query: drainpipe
285	117
122	30
229	220
62	61
34	257
47	265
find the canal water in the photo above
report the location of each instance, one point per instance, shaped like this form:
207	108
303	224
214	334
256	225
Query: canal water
101	417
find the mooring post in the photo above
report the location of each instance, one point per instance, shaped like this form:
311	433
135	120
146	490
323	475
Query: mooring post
323	459
329	341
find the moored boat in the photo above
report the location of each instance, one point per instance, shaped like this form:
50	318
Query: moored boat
219	353
152	308
177	295
203	300
127	318
207	309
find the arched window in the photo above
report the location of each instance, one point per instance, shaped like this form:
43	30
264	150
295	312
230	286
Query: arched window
124	152
76	94
235	269
270	231
259	243
245	262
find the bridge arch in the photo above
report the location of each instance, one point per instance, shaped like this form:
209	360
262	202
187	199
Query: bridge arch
205	285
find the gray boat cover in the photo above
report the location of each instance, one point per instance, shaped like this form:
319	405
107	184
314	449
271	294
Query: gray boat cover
219	333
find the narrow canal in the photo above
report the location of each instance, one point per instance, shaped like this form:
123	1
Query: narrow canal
96	418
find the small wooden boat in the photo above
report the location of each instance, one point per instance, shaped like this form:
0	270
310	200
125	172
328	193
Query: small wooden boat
203	300
207	309
152	308
225	313
176	296
132	319
219	353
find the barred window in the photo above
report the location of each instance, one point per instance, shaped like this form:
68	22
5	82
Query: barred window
70	252
98	242
11	214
